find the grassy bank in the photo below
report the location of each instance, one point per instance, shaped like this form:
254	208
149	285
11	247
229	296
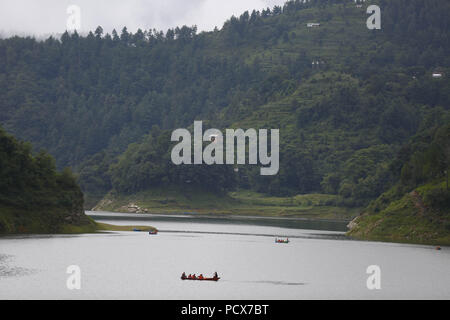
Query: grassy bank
313	206
110	227
43	221
26	222
411	219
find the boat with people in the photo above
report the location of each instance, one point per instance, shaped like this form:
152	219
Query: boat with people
200	277
282	240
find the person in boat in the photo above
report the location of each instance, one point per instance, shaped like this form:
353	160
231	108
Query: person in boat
183	275
190	276
200	277
215	276
194	277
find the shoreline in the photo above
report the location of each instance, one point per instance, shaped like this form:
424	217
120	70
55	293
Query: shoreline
229	216
101	227
386	239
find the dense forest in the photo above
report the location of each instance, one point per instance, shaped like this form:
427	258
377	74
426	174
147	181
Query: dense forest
354	106
34	197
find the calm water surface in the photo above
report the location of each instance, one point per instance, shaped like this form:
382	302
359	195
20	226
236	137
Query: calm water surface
319	263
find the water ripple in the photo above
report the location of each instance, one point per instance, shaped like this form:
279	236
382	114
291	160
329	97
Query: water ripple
7	271
274	282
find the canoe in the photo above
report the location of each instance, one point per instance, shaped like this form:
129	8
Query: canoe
204	279
282	241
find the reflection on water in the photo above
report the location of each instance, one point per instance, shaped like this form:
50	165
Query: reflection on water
282	283
289	223
6	270
185	233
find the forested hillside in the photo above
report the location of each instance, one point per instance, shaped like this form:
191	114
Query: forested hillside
417	207
34	197
347	100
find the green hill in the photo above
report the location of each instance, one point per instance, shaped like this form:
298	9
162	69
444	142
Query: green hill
421	215
34	197
406	220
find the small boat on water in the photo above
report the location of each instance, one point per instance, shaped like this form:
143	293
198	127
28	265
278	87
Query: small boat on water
153	232
282	240
199	278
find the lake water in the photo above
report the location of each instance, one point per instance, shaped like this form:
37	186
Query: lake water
318	263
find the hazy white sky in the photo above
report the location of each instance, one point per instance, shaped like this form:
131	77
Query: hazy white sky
42	17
